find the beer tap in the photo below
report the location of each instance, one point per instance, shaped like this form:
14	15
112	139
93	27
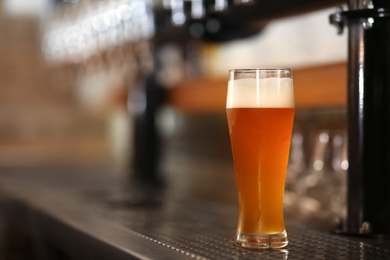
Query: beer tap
368	195
197	9
220	5
178	15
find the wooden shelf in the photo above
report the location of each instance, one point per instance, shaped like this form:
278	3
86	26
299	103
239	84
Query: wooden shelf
320	86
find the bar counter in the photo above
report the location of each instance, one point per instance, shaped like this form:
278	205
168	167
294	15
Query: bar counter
86	213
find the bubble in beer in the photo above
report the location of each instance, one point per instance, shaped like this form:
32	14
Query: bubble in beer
267	92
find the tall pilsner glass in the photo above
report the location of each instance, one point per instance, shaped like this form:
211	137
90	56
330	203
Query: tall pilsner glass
260	110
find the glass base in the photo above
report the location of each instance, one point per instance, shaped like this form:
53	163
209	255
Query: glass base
255	241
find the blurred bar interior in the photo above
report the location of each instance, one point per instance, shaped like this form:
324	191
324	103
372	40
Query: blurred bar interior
138	87
73	74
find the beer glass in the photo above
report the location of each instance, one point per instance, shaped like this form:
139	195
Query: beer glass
260	110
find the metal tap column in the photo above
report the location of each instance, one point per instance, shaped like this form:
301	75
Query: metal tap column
368	198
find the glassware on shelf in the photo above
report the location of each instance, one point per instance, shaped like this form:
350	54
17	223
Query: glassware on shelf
321	189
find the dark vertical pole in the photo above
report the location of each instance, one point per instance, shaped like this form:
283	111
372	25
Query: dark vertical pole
144	100
368	203
356	104
146	138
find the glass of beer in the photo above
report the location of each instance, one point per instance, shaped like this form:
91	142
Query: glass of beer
260	110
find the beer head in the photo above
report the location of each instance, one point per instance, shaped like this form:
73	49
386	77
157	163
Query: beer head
254	91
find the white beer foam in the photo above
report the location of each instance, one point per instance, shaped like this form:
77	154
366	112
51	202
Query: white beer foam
268	92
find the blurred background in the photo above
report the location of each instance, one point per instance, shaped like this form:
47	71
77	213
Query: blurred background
76	78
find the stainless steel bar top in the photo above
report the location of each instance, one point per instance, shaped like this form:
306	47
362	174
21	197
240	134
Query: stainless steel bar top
74	213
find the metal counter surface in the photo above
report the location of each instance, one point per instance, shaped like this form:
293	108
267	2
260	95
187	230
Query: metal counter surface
90	214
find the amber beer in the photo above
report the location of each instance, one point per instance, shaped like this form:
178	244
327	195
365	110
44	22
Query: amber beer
260	112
